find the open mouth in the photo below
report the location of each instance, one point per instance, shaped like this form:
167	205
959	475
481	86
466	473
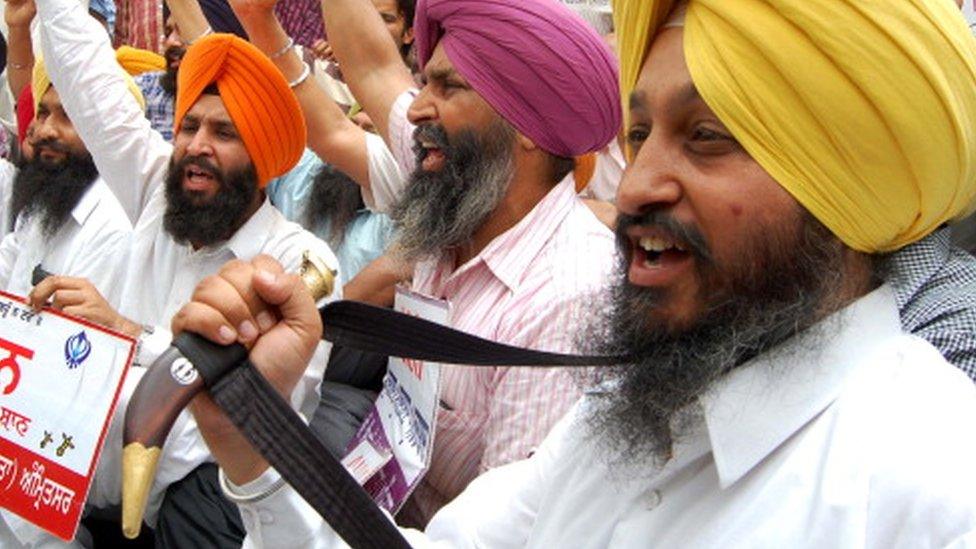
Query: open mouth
659	259
658	249
433	158
196	178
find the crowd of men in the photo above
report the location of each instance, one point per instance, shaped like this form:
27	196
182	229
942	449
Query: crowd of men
751	201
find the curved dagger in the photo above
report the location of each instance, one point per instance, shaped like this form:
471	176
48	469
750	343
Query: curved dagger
186	368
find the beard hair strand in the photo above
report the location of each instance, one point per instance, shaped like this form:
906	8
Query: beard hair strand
217	219
652	402
51	190
443	209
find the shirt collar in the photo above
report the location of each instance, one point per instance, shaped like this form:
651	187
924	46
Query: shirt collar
89	201
510	253
248	241
759	405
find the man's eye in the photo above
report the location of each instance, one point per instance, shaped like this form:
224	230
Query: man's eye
637	135
707	134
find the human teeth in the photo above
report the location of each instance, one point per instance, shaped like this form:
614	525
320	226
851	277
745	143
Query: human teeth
654	244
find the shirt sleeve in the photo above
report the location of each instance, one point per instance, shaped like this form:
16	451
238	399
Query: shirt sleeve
131	157
386	180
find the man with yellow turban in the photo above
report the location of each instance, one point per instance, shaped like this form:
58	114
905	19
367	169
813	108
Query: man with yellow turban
194	204
64	217
778	149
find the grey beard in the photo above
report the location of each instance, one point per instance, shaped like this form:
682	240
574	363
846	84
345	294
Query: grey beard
442	210
650	403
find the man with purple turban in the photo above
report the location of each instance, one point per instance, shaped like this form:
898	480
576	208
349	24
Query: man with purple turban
515	90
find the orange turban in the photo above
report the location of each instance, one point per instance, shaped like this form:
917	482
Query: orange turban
136	61
263	108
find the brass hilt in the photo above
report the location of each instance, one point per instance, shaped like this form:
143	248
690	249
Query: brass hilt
170	384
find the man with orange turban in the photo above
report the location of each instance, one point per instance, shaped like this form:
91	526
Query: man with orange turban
778	148
194	204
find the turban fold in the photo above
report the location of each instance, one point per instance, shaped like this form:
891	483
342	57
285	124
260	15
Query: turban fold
865	112
136	61
263	108
40	82
539	65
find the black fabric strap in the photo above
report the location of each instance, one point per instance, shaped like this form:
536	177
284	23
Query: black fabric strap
279	434
387	332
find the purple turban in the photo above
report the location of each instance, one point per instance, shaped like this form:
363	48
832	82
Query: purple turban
535	61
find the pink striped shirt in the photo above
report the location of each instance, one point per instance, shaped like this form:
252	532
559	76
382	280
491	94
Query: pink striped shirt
529	287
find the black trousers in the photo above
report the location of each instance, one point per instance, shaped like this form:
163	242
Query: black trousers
195	513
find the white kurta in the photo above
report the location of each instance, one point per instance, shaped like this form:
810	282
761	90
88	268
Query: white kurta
91	244
7	174
851	435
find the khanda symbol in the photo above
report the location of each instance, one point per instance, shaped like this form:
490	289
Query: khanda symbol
76	349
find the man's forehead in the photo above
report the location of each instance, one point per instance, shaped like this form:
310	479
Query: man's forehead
210	108
664	75
439	66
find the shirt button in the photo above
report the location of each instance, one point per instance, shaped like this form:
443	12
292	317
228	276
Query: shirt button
266	517
652	500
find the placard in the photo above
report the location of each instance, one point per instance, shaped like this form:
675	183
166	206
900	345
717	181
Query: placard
60	379
391	451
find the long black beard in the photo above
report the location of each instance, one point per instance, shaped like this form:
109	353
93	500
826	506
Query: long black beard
782	288
336	197
443	209
215	220
51	190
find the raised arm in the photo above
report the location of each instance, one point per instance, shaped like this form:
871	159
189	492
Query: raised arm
370	62
18	15
333	137
189	18
130	156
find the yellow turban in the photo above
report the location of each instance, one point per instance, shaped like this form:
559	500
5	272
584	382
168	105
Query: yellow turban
136	61
40	82
264	110
864	111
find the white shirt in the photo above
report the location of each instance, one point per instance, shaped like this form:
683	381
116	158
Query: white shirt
8	172
161	274
850	435
89	245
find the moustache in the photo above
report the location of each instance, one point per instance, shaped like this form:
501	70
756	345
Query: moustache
430	133
202	163
52	145
693	239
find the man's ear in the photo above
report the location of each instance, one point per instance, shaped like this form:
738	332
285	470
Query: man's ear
408	36
526	144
